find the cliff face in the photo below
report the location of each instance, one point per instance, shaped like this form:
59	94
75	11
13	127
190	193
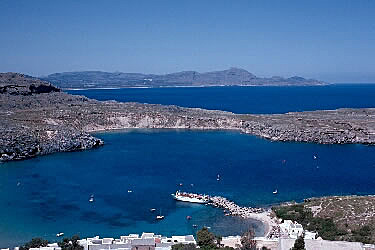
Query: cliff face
41	122
24	126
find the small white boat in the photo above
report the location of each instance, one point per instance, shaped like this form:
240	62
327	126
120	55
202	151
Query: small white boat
130	191
91	198
160	217
152	209
275	192
315	157
59	234
218	177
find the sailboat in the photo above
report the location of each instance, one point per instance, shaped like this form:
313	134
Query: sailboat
91	198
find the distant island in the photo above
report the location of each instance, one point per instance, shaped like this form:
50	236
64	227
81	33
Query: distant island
229	77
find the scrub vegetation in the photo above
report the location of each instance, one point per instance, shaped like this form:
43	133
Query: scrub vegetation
349	218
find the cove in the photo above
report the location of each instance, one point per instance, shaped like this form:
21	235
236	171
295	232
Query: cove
49	194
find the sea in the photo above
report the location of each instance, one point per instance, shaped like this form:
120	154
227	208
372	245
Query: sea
138	169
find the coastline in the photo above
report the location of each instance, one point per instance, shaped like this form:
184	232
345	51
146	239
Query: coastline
196	86
66	121
267	221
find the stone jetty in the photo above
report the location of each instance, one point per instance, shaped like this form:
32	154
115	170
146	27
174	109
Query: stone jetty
264	215
231	208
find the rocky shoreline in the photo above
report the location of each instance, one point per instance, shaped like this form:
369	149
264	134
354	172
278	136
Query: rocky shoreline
38	119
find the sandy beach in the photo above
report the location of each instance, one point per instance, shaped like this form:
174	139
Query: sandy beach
260	214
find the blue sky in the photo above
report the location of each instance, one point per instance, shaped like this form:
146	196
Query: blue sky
329	40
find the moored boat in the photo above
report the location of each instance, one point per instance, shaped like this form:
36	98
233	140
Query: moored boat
160	217
190	197
91	198
59	234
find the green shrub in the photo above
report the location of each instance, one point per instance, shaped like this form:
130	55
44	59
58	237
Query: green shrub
70	243
184	247
299	244
206	239
36	242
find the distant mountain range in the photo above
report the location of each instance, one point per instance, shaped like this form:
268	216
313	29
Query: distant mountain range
232	76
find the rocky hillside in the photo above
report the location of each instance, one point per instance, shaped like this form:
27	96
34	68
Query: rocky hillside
232	76
348	218
38	118
19	84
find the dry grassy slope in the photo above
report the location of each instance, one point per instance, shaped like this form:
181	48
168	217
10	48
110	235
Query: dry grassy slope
349	213
346	211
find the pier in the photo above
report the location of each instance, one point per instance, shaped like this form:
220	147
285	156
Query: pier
272	229
231	208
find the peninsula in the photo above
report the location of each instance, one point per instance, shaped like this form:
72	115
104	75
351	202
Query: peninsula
229	77
38	118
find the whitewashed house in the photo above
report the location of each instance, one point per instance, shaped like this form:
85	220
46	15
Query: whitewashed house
291	229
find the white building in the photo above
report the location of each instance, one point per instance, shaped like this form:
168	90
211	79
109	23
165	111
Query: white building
147	241
52	246
291	229
310	235
235	242
231	241
287	244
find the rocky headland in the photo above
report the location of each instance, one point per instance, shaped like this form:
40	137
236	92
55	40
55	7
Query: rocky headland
38	118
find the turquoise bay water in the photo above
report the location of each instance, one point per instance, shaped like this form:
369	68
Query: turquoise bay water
49	194
46	195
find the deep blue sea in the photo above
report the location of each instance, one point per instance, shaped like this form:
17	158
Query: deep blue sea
49	194
257	100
